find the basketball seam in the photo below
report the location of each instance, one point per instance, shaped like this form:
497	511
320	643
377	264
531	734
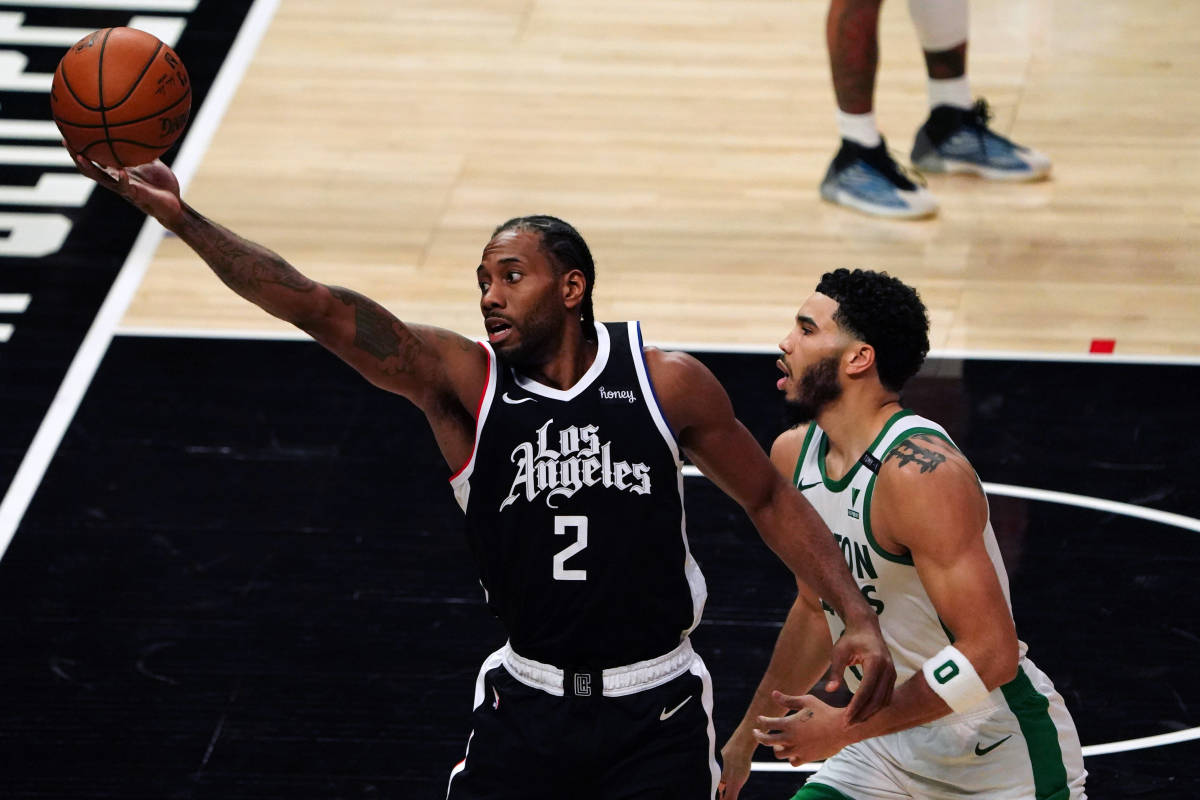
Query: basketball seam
133	86
100	92
150	146
127	122
67	85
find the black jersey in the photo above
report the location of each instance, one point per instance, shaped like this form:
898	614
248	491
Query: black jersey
574	506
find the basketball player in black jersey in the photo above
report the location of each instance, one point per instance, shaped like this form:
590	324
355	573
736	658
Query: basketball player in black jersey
567	438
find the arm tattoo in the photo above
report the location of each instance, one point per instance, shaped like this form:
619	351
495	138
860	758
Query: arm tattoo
909	452
377	333
464	344
247	268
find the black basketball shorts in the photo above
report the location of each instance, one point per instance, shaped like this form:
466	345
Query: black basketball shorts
654	743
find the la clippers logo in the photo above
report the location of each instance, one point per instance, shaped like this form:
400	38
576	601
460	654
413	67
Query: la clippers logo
580	460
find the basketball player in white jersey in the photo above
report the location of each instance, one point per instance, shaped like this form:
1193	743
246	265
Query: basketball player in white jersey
971	715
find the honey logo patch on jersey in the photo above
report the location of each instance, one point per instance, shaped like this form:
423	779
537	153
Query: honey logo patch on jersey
618	395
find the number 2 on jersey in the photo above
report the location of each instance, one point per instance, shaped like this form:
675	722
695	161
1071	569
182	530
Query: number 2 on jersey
561	524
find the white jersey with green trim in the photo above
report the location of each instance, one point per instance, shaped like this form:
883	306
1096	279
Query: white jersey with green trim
889	581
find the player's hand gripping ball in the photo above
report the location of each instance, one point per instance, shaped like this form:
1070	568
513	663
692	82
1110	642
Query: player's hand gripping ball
120	97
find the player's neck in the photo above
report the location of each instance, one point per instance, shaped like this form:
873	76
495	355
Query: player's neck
566	363
852	422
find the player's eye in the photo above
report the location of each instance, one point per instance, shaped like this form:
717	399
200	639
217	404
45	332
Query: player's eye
512	276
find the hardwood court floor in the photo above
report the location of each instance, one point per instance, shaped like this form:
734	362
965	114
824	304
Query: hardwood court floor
376	143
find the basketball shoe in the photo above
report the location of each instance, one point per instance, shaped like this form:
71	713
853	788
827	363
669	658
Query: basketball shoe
959	140
869	179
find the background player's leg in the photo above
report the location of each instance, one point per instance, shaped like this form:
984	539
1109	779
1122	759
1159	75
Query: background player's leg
956	136
863	175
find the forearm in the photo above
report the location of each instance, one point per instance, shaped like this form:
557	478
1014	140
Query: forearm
800	658
797	534
913	703
253	271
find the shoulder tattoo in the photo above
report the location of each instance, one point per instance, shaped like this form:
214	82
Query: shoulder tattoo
910	451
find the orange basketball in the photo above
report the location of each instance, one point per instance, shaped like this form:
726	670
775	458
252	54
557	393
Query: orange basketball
121	97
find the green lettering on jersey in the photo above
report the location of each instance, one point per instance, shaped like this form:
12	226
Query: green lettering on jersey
873	602
863	566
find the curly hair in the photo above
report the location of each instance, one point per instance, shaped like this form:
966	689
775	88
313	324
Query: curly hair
886	314
567	250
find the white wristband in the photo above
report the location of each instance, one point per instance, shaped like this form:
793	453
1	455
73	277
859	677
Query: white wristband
952	678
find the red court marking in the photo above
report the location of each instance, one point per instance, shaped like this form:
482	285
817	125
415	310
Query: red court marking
1103	346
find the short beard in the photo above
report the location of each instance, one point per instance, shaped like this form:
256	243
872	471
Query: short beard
818	388
540	333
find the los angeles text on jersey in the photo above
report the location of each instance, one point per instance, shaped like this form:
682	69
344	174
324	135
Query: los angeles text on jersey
581	459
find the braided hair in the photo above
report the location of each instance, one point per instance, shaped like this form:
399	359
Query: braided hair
566	251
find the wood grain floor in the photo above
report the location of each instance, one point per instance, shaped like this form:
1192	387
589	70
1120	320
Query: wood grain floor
375	143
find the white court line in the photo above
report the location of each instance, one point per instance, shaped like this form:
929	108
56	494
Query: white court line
14	303
112	5
703	347
1066	499
1063	498
951	354
1144	743
1095	503
200	333
29	129
95	343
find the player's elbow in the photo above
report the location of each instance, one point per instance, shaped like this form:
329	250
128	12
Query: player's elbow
321	317
1006	669
1002	661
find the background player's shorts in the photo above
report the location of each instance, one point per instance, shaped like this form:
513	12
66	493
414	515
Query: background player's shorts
1020	748
654	744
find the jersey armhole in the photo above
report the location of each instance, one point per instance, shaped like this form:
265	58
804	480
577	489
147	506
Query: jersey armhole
638	352
808	436
481	412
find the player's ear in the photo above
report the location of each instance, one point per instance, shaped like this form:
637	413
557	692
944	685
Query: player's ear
574	287
859	358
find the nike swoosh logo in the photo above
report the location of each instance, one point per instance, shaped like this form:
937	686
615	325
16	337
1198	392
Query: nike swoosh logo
664	714
985	750
804	486
517	401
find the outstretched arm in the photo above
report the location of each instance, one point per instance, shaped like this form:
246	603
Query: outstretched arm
432	367
702	416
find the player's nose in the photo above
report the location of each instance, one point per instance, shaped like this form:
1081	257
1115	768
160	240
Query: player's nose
492	298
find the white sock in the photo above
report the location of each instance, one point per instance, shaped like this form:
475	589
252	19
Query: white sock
950	92
941	24
859	128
